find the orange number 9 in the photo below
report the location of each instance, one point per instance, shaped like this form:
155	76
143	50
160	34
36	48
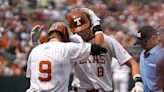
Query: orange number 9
45	69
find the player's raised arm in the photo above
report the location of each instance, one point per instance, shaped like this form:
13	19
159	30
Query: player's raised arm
97	30
81	51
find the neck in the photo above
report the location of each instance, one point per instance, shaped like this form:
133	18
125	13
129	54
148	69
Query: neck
90	38
151	46
54	40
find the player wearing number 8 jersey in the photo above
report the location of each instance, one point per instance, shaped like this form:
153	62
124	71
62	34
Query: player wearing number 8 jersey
50	64
94	74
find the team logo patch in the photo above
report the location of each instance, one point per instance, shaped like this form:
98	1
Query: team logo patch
77	21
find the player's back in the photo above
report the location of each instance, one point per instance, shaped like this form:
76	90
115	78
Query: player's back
50	67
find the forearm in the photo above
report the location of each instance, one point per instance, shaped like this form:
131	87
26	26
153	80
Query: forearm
99	38
97	30
134	66
136	76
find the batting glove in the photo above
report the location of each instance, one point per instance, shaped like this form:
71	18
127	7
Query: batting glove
94	19
35	34
138	84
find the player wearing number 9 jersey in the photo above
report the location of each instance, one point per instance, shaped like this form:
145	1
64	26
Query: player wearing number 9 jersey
50	64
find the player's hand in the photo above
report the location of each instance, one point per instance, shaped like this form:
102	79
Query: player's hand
94	19
138	87
35	33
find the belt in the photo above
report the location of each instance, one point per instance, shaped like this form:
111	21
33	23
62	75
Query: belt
91	90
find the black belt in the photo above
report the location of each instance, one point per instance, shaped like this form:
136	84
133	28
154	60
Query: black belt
91	90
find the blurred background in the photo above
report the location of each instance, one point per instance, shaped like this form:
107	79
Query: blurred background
119	19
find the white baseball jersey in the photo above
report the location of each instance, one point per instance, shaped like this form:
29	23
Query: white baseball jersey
96	73
50	64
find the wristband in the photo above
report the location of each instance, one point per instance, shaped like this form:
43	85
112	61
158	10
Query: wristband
96	28
97	50
137	79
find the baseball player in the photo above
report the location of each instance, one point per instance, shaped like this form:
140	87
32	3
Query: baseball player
50	64
94	74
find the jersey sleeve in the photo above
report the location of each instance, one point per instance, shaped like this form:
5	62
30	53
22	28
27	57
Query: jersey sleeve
28	70
117	50
79	51
76	38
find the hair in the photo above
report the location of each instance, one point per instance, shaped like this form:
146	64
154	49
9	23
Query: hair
56	34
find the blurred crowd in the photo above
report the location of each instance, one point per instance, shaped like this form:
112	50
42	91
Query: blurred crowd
119	18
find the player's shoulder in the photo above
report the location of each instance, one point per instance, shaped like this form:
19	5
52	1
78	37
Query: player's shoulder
35	49
40	46
76	38
70	44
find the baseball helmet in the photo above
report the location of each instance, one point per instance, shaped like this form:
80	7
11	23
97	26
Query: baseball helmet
60	27
78	20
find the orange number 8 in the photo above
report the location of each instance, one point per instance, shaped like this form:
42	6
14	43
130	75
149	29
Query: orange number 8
45	71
